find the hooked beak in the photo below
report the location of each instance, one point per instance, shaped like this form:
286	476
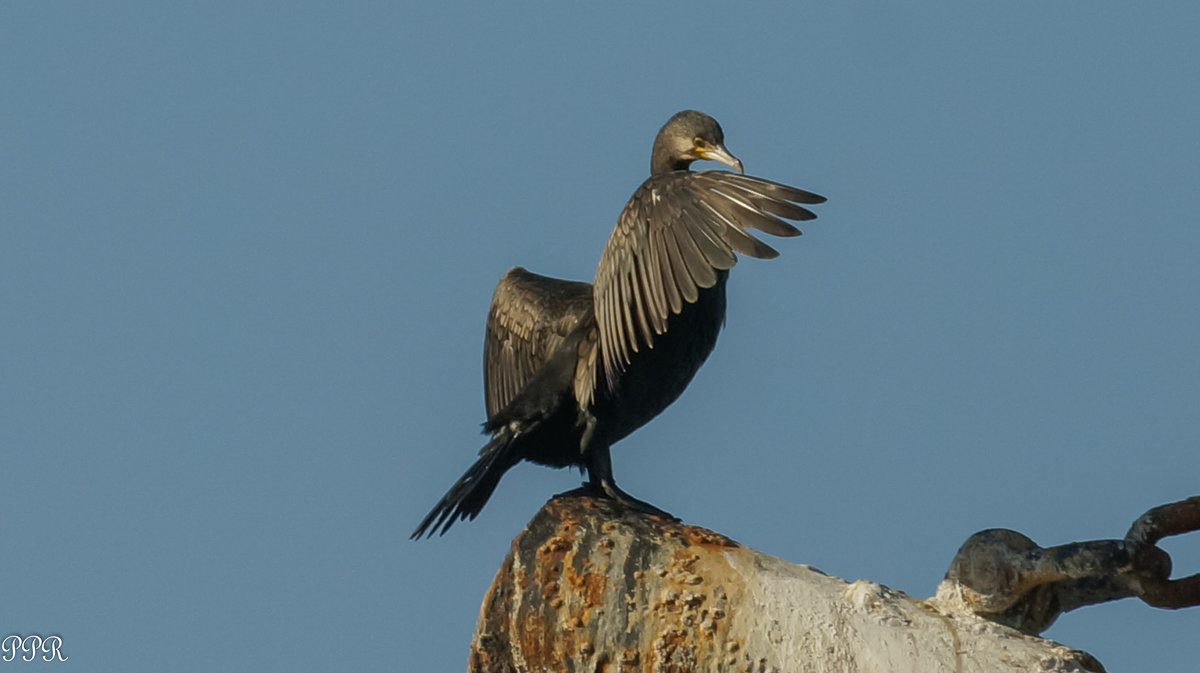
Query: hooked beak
719	153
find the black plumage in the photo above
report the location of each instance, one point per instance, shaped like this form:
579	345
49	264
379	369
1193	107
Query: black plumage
571	368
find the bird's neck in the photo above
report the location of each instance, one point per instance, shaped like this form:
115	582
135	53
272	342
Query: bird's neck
662	161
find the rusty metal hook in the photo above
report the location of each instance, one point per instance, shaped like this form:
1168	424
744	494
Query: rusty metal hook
1157	588
1005	576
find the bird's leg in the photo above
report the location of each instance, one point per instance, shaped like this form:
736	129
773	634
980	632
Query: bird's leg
599	467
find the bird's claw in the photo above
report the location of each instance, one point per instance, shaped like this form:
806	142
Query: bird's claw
629	502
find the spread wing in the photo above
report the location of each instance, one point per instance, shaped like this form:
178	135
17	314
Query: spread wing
529	317
675	233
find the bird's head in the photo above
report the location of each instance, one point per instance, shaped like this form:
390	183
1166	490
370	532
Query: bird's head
686	137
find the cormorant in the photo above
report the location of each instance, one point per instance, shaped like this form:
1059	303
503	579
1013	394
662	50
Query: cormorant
570	368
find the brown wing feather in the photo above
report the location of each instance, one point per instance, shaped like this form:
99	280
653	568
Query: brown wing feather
529	317
676	232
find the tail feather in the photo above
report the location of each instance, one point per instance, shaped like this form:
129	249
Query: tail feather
470	493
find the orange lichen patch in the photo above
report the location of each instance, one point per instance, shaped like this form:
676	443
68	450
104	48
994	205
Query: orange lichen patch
549	579
555	545
537	641
685	558
629	660
704	537
591	587
550	557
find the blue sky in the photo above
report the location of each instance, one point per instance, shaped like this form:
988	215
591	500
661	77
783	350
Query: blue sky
246	253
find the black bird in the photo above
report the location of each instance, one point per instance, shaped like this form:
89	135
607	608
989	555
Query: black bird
570	368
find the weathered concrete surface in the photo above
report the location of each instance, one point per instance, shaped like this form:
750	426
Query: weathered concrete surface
590	588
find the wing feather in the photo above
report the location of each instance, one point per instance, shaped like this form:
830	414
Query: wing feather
711	239
682	279
768	188
529	317
756	217
739	239
677	231
698	267
659	256
651	304
651	269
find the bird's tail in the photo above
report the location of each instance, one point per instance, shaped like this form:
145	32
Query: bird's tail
470	493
